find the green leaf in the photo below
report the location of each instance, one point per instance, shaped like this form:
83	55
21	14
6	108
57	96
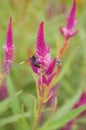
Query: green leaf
30	104
65	119
67	87
7	102
67	65
64	109
15	105
13	119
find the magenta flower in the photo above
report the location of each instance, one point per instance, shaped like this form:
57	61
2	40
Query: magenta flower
42	50
42	59
7	62
41	63
68	31
8	50
82	101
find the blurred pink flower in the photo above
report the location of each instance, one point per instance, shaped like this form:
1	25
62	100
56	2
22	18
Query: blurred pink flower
68	31
8	60
8	50
53	9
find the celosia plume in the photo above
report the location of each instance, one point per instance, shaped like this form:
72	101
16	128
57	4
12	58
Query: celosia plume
8	50
68	31
7	62
42	50
41	63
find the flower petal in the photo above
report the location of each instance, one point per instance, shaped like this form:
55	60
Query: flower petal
51	67
68	31
47	80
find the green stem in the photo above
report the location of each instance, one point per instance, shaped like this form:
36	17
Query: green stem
40	102
37	117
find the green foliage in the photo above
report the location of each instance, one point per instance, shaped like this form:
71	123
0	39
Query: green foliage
4	105
62	113
59	122
17	111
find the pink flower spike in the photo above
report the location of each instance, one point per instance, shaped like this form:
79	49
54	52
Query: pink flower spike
8	50
41	45
71	19
68	31
42	51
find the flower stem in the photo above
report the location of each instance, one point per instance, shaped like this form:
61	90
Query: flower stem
40	92
64	48
37	117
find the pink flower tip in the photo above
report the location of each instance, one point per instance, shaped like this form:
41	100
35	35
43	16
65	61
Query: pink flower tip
41	29
9	38
41	24
10	21
68	31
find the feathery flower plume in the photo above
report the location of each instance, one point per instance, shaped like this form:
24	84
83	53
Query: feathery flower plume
7	62
8	50
68	31
42	50
41	63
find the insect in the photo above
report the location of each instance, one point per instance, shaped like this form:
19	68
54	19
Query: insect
34	62
58	63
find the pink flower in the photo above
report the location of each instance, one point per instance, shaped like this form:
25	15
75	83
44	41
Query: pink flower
8	50
68	31
41	63
42	50
7	62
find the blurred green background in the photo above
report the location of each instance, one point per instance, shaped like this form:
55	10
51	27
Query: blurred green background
26	15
